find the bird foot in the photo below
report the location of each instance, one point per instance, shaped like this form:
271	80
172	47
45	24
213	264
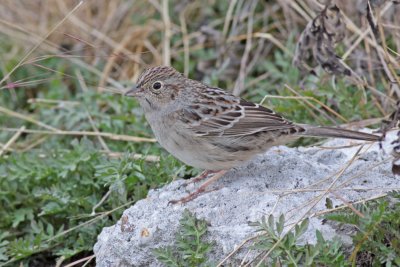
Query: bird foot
189	197
201	176
201	190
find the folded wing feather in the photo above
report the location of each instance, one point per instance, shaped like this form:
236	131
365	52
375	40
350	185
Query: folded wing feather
233	116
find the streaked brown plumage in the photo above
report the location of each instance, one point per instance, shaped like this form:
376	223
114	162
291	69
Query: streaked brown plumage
208	128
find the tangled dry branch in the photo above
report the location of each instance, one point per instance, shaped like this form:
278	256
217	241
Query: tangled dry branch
317	42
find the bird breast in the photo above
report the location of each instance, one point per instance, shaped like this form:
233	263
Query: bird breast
209	153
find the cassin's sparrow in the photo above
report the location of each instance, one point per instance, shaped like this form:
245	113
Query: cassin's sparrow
209	128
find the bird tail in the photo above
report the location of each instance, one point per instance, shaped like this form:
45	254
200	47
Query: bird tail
322	131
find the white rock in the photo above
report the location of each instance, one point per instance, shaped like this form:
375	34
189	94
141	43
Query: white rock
283	180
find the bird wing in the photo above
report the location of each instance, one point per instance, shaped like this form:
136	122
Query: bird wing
217	113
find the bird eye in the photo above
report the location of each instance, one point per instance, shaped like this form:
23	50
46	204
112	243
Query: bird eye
157	85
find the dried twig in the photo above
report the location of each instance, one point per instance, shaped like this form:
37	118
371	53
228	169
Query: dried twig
185	40
111	136
167	34
318	40
149	158
239	85
11	141
27	118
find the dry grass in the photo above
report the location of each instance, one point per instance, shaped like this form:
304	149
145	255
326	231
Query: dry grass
101	33
115	40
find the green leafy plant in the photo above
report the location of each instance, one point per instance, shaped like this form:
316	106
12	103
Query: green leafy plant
191	249
378	229
51	191
287	249
377	235
3	246
284	248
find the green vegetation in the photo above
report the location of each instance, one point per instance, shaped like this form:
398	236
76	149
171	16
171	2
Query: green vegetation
190	249
375	241
377	236
289	253
52	191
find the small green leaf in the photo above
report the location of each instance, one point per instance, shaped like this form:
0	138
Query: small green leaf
280	225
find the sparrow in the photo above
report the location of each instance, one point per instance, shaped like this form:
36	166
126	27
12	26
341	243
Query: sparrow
208	128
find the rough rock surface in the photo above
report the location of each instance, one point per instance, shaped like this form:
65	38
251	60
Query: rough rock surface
292	181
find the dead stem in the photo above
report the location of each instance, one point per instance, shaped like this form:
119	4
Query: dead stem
111	136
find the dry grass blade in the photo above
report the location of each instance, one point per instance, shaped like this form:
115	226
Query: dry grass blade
228	17
111	136
149	158
185	40
391	73
352	27
22	61
53	48
371	20
111	60
52	101
87	260
303	190
244	242
348	204
100	138
11	141
308	103
317	214
307	98
273	40
27	118
98	217
98	34
80	79
167	34
239	85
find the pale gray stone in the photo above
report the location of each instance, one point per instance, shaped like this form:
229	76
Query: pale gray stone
283	180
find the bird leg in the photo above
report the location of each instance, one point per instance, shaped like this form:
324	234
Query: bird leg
200	190
200	177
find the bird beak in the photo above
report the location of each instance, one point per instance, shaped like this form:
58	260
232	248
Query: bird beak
135	91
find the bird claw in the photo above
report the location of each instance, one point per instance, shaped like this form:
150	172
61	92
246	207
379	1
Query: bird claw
187	198
201	176
200	190
191	196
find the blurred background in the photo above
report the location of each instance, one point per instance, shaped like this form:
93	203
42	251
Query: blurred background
74	152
